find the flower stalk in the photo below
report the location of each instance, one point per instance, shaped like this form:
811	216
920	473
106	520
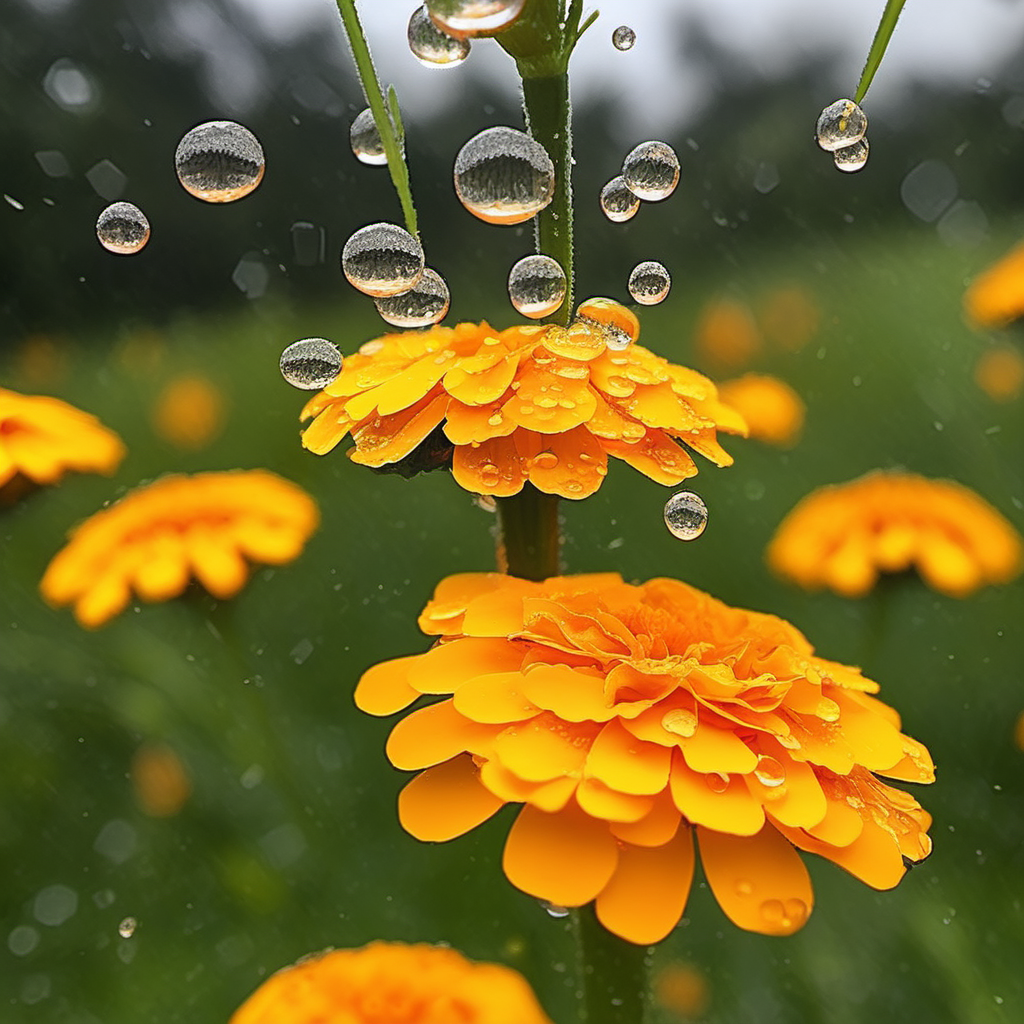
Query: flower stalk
883	34
612	973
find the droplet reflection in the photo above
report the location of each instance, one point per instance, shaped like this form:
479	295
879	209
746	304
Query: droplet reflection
122	228
623	38
617	202
219	162
686	515
425	303
366	141
382	259
310	364
649	283
651	170
432	47
840	124
536	286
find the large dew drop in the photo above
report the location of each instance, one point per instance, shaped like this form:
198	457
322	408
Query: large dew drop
851	158
503	176
623	38
617	326
432	47
424	304
840	124
310	364
686	515
649	283
366	141
617	202
219	161
536	286
651	171
474	17
122	228
382	259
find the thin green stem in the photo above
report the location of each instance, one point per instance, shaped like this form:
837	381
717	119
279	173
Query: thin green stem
882	36
528	534
612	973
389	125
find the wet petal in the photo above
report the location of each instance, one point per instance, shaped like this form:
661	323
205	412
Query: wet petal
434	734
446	801
627	764
732	809
656	828
495	698
493	467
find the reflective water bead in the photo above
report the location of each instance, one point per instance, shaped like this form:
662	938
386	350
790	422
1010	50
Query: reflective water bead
432	47
474	17
680	721
617	202
503	176
219	161
686	515
425	303
310	364
649	283
840	124
717	782
126	929
651	170
851	158
122	228
366	141
769	771
618	326
536	286
623	38
382	259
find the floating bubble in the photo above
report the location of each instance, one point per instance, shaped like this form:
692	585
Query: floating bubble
617	202
651	171
474	17
432	47
851	158
686	515
649	283
536	286
126	929
219	161
503	176
623	38
382	259
424	304
840	124
310	364
122	228
366	141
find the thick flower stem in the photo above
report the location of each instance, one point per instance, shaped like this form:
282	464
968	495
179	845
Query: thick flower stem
528	538
612	973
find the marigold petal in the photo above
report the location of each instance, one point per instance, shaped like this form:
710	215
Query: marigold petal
656	828
104	599
548	403
573	694
548	796
728	808
469	425
446	667
453	595
495	698
656	456
164	573
711	749
659	406
627	764
402	391
385	688
483	385
215	563
601	801
493	467
946	566
387	439
874	856
571	464
434	734
873	740
840	826
542	748
327	431
799	801
446	801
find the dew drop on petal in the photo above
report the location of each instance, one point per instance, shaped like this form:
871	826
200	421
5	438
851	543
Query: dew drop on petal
126	929
425	303
769	771
503	176
840	124
680	721
219	161
686	515
617	202
432	47
536	286
623	38
554	909
382	259
649	283
744	888
851	158
651	171
310	364
473	17
366	141
717	782
122	228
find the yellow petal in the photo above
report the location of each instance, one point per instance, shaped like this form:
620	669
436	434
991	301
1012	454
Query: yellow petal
728	807
627	764
446	801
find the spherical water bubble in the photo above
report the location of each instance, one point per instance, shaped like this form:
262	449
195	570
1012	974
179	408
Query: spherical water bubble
851	158
474	17
840	124
424	304
432	47
219	161
382	259
651	171
366	141
649	283
310	364
617	202
686	515
536	286
503	176
126	929
122	228
623	38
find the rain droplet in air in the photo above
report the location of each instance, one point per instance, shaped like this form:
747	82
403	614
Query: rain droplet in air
536	286
686	515
219	161
840	124
424	304
474	17
651	171
503	176
310	364
122	228
366	141
617	202
382	259
623	38
126	929
649	283
432	47
851	158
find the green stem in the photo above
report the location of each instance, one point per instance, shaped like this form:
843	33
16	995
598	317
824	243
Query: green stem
528	534
612	973
392	133
882	36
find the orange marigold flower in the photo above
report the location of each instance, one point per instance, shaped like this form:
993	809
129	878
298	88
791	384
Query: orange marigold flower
996	296
159	535
629	719
392	983
999	372
773	410
189	412
726	334
42	438
538	403
844	535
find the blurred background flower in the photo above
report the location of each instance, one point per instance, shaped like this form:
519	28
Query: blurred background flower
189	412
773	410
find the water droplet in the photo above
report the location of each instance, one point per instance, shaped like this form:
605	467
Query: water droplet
536	286
623	38
425	303
680	721
649	283
486	502
126	929
617	202
545	460
769	771
474	17
219	161
503	176
827	710
366	141
840	124
618	326
686	515
554	909
852	158
382	259
651	171
122	228
310	364
744	888
431	46
717	782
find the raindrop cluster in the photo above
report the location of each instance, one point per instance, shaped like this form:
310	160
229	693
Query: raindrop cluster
424	304
617	325
686	515
122	228
432	47
311	363
841	131
536	286
650	172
